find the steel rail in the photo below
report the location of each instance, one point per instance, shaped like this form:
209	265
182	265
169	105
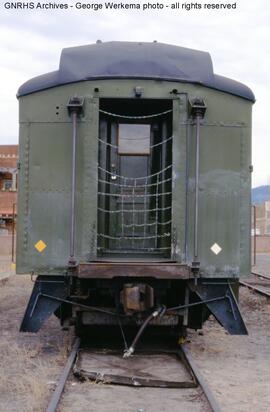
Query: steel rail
213	403
52	407
261	275
256	288
187	359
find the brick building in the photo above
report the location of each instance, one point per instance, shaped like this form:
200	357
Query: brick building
8	186
263	218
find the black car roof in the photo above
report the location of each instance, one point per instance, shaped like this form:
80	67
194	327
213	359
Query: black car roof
126	60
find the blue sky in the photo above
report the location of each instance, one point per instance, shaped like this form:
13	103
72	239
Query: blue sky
238	41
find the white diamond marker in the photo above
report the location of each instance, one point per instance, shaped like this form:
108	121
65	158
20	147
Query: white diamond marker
216	249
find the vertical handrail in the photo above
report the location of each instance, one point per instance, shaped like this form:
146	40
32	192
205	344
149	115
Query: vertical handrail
198	109
255	235
157	206
13	234
73	188
75	106
196	206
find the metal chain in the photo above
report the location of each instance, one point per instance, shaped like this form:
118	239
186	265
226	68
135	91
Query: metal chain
133	237
122	333
160	143
147	224
135	178
148	249
133	194
133	222
135	117
137	186
130	210
151	146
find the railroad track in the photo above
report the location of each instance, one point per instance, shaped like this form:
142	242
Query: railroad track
184	355
258	282
54	402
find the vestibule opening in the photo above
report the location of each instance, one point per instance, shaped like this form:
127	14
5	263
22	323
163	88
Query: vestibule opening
135	178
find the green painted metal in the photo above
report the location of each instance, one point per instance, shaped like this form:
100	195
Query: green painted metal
45	176
180	116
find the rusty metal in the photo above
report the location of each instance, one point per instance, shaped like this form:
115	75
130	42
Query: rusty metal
97	318
135	379
138	297
256	288
109	270
261	275
201	381
52	407
182	354
132	376
80	305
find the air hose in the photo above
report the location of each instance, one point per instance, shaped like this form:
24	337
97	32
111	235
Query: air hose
157	312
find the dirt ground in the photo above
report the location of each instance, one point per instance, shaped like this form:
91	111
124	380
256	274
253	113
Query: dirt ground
236	367
30	363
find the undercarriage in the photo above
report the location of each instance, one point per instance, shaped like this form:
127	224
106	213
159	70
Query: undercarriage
130	301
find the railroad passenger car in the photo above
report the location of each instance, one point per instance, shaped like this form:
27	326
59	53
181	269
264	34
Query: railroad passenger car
134	189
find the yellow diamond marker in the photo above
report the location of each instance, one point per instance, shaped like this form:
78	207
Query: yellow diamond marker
40	246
